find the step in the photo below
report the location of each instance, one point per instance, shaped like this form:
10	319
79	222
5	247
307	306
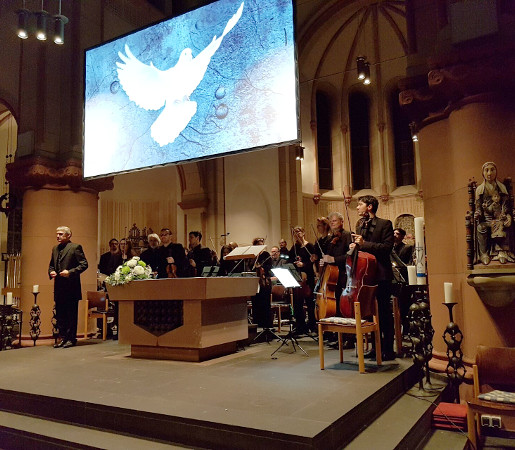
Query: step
21	432
444	439
408	421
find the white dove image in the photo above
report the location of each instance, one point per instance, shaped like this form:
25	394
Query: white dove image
151	88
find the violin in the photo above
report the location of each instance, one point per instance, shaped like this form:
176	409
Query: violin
361	269
171	270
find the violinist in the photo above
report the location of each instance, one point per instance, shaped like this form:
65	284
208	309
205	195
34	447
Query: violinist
323	228
172	257
375	235
198	256
261	312
300	254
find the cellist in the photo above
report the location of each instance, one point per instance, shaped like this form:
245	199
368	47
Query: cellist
375	235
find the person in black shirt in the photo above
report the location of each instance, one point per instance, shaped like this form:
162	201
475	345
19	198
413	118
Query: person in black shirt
172	257
110	260
283	250
403	251
151	256
198	256
300	254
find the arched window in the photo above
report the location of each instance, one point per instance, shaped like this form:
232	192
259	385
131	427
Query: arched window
324	150
404	156
360	140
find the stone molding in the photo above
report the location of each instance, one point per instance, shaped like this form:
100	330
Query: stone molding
38	172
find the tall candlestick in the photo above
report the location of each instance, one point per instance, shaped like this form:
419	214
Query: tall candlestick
412	275
420	254
35	288
9	298
448	294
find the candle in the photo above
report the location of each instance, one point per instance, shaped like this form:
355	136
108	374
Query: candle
9	298
35	289
412	275
420	254
447	290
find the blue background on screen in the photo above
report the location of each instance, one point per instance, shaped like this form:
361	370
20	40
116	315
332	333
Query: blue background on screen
247	97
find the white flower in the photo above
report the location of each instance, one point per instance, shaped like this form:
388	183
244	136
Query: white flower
117	276
136	258
132	263
138	270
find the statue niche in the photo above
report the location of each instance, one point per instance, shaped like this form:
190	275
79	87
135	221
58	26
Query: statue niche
490	230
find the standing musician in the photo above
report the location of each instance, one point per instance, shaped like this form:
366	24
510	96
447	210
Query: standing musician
198	256
336	252
300	254
172	257
375	236
322	233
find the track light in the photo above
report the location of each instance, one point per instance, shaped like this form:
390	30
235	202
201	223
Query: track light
59	23
41	18
360	62
414	131
23	19
366	80
299	153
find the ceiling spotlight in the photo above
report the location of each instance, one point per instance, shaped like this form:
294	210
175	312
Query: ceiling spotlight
414	131
59	22
299	153
41	17
360	62
23	18
366	79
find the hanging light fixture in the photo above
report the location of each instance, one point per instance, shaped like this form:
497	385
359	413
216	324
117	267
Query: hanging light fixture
414	131
361	64
23	19
41	18
299	153
366	80
59	22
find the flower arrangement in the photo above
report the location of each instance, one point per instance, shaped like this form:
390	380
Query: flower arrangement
133	269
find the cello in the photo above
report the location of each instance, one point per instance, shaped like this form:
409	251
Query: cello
361	269
325	289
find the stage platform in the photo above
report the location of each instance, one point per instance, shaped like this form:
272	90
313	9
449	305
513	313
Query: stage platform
244	400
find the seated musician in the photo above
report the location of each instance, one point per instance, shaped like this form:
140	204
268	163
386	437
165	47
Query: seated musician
300	254
172	257
198	256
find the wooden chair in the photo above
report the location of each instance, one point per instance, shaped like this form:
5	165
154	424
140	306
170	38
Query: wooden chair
493	370
96	306
358	328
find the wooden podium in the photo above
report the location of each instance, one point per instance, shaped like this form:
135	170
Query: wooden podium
185	319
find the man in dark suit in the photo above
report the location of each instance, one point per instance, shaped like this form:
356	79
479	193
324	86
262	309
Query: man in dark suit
403	251
66	265
375	236
172	257
111	260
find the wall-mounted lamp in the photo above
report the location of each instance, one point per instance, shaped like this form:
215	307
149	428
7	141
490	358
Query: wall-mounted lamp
299	153
414	131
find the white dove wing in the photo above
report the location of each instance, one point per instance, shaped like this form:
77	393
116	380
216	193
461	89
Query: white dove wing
144	84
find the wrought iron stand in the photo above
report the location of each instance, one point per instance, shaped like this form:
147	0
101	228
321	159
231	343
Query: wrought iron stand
455	369
35	319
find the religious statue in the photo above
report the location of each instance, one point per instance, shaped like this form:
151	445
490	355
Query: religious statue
493	219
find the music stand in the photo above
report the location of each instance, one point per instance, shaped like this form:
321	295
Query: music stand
210	271
287	278
243	253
